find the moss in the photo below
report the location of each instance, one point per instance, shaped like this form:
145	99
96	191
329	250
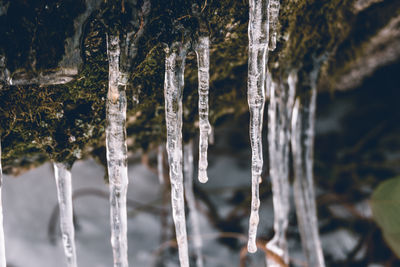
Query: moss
65	122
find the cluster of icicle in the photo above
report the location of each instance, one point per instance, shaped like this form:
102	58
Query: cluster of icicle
173	92
116	164
290	122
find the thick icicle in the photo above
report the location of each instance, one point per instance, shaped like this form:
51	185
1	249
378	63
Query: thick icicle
203	61
117	153
173	91
303	120
2	243
62	173
274	6
279	115
190	199
258	51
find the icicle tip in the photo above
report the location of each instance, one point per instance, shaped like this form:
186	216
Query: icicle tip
203	178
251	246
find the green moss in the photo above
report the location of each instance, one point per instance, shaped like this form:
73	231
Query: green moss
65	122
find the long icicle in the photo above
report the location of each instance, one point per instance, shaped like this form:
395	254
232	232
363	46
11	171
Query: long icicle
2	243
303	121
190	199
279	115
173	92
117	154
203	62
258	52
62	173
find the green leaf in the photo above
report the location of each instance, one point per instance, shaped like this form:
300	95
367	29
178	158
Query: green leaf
385	204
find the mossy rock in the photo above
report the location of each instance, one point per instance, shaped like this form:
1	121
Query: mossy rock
64	122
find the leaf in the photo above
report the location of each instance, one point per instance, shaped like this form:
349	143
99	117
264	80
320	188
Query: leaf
385	204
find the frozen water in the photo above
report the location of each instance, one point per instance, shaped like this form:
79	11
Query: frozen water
191	201
302	139
279	113
203	61
173	91
117	153
258	52
62	173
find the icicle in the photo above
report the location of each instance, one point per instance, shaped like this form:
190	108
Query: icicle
62	173
279	115
117	154
190	199
2	243
303	120
173	91
203	61
258	46
160	159
274	6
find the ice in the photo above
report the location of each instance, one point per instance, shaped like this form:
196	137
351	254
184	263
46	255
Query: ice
62	173
203	61
258	52
190	199
173	91
302	139
117	153
274	6
279	113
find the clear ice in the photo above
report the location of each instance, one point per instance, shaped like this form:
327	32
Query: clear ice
203	61
274	6
2	243
173	91
258	52
281	95
302	139
191	201
62	173
117	153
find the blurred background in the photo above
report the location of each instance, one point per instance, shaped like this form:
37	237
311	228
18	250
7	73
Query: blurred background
356	149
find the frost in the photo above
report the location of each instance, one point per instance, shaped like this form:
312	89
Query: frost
258	52
117	154
62	173
173	91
